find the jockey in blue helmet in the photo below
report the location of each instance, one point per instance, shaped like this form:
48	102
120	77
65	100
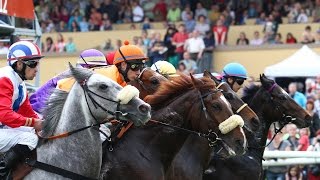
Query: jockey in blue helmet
234	74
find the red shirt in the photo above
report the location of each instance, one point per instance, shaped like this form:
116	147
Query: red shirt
291	41
178	38
162	8
304	141
220	34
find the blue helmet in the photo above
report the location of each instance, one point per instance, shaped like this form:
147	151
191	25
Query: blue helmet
234	70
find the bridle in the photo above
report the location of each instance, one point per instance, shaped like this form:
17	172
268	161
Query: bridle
241	107
138	79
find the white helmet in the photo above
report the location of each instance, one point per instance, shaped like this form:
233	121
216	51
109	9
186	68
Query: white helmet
165	68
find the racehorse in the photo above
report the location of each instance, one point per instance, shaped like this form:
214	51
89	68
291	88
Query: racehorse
184	165
192	104
272	104
92	100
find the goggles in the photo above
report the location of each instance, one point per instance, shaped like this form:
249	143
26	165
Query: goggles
31	64
240	81
135	67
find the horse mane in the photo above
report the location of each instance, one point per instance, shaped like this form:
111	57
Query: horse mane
52	111
168	90
249	92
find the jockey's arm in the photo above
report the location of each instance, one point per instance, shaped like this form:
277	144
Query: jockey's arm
9	117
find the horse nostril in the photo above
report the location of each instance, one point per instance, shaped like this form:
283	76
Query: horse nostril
144	108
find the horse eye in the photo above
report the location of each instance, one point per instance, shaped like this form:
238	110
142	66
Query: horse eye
103	86
216	106
154	81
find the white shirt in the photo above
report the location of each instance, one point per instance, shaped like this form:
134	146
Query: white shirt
194	45
256	41
137	14
302	18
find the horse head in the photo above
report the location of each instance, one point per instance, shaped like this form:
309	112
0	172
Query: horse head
148	82
251	120
281	104
205	110
104	98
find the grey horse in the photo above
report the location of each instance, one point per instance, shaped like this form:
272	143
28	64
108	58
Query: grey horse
90	101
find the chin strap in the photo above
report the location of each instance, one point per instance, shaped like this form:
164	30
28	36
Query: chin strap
21	73
125	73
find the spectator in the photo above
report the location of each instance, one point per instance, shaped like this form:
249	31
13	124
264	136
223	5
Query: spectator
171	55
60	44
145	38
158	49
84	25
242	40
64	15
179	39
174	13
292	136
270	29
278	144
278	39
317	37
191	65
213	14
125	14
220	33
294	12
307	36
71	46
202	26
146	24
118	44
190	23
74	27
49	45
195	46
291	39
316	12
186	12
294	173
55	15
108	46
148	7
303	140
256	41
261	20
106	25
207	60
252	11
200	10
142	46
96	19
112	10
302	17
3	49
137	12
62	27
315	126
75	17
160	11
182	68
314	170
297	96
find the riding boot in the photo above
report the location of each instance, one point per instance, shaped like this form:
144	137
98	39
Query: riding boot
11	158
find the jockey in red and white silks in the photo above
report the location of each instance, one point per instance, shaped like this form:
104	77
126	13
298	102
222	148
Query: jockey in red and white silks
18	120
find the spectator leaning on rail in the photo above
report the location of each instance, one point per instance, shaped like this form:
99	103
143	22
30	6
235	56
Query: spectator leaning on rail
234	74
17	119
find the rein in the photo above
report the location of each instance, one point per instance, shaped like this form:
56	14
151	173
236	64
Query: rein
211	136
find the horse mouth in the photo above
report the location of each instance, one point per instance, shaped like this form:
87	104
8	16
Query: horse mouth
138	120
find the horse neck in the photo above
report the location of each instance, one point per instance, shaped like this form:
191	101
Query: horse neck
176	114
266	120
78	152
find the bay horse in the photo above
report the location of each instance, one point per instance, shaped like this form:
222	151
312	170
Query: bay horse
91	100
272	104
193	104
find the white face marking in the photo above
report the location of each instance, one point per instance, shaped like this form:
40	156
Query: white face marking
225	100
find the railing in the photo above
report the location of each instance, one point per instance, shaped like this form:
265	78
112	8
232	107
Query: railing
284	158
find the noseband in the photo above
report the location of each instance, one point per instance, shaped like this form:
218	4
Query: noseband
138	79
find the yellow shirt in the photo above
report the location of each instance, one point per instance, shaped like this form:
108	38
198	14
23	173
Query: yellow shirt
110	72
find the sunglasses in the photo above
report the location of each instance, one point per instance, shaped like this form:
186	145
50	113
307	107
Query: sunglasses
240	81
31	64
136	67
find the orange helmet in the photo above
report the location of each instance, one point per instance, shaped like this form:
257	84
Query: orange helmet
129	53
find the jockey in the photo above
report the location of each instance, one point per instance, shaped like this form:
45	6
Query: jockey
110	57
89	58
234	74
18	121
128	62
165	68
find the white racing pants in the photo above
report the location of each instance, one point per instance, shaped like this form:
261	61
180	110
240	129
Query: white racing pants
23	135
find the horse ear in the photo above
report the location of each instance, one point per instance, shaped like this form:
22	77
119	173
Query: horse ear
207	74
266	83
195	82
80	74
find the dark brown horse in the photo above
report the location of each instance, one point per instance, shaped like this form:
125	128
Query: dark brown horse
185	166
147	152
272	104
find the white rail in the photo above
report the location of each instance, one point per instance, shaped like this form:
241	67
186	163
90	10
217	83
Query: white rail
284	158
